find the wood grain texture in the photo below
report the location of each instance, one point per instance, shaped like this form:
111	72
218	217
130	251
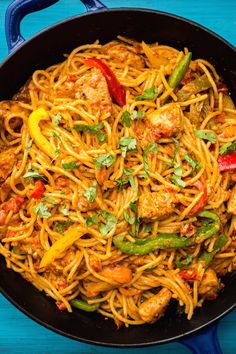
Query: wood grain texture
18	333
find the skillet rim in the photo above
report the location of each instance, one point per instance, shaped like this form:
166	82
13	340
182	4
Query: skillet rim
11	299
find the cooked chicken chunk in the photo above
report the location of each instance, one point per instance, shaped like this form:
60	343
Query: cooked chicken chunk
23	95
232	202
155	306
164	122
83	203
7	161
210	285
124	54
155	205
92	87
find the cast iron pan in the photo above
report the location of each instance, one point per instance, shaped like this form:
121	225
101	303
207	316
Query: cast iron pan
46	48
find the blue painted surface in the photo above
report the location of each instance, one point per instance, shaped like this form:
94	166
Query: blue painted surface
19	334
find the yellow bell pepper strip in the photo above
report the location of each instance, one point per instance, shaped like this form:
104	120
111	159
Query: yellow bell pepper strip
35	132
71	236
155	61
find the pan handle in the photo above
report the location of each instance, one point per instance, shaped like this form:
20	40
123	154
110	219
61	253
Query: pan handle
14	15
204	342
18	9
93	5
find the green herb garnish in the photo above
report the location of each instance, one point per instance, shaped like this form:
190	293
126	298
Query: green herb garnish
111	222
93	130
104	160
149	94
210	136
42	211
91	192
128	143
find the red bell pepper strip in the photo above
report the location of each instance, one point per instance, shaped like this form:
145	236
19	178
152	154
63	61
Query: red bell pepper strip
116	90
227	162
201	185
39	190
189	275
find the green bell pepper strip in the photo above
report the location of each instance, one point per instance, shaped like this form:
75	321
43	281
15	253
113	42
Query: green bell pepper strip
161	241
164	241
83	305
179	71
193	87
206	231
207	257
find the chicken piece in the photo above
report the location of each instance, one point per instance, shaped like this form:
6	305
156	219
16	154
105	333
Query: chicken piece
155	205
165	122
210	285
126	55
5	190
232	202
13	204
7	161
23	95
92	86
117	273
83	203
155	306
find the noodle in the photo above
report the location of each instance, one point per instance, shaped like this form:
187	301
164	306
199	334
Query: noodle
87	187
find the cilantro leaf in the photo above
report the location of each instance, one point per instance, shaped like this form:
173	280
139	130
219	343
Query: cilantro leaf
111	223
176	178
149	94
42	211
56	119
178	169
69	165
93	130
133	207
64	211
188	260
104	160
35	174
121	182
58	138
137	114
177	144
227	147
130	219
193	163
178	181
128	172
128	143
91	192
210	136
29	145
60	226
126	120
152	148
127	117
91	220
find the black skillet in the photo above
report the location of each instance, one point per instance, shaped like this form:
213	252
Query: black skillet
46	48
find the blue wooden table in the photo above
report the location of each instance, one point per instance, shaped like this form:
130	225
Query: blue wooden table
19	334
